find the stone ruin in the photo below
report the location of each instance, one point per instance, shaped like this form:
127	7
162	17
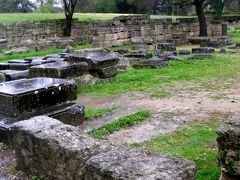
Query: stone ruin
45	146
43	88
228	138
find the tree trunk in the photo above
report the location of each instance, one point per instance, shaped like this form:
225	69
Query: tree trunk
68	27
201	18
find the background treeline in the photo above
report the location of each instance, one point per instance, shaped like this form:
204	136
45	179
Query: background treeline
167	7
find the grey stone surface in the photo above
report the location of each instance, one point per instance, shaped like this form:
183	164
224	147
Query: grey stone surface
4	66
30	95
184	52
228	138
107	72
123	163
215	44
167	47
151	64
203	50
11	75
59	69
121	50
85	80
20	66
95	60
142	40
2	78
45	146
198	40
16	61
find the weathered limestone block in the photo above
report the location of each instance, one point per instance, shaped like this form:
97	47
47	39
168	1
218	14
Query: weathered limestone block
2	78
228	138
29	95
184	52
4	66
11	75
47	147
95	60
65	70
167	47
107	72
203	50
151	64
123	163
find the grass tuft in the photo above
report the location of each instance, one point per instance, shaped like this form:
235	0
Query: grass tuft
197	143
122	122
98	112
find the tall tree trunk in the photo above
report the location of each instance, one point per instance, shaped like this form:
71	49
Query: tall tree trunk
201	18
68	28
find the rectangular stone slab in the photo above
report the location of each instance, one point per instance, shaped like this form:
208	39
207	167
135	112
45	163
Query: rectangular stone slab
121	163
29	95
11	75
60	151
59	70
19	66
95	60
4	66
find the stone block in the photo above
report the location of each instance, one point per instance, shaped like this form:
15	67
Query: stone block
47	147
167	47
184	52
11	75
107	72
228	139
30	95
123	163
20	66
60	69
151	64
95	60
203	50
4	66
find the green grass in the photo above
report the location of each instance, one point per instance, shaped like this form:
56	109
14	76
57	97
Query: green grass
235	35
122	122
11	17
98	112
221	67
196	143
39	53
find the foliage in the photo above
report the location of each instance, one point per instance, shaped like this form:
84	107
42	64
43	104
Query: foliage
16	6
197	143
122	122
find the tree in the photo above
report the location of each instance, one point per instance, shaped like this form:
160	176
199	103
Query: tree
69	9
218	6
199	11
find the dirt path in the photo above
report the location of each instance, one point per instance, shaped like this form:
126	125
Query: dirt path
189	103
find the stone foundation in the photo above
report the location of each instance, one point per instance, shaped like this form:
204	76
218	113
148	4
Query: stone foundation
39	35
46	147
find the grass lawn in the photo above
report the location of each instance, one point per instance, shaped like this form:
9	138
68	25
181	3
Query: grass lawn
198	143
235	35
221	67
10	17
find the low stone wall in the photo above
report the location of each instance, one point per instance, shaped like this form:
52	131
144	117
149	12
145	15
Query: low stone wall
115	32
47	147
